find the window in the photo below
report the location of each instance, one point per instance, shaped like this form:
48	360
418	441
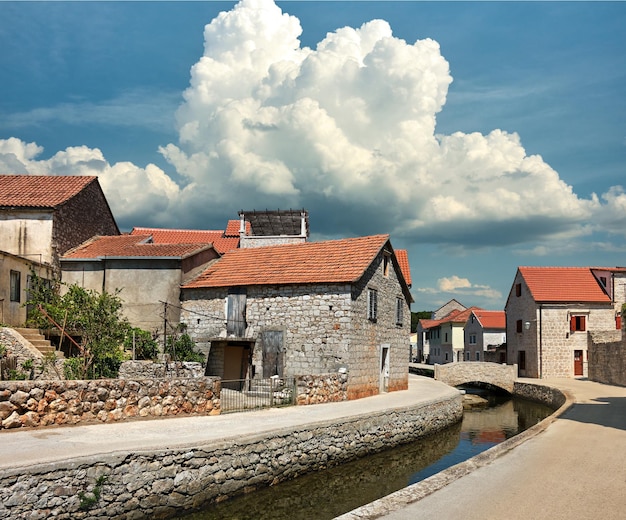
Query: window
518	289
603	281
446	356
15	286
577	324
521	360
477	356
386	263
446	340
372	304
618	320
518	326
399	310
472	339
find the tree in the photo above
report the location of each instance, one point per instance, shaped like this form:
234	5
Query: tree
92	320
183	348
416	316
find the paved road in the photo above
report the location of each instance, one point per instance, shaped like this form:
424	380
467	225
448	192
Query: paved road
574	469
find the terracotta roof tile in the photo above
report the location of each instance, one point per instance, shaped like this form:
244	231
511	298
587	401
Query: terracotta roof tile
491	319
40	191
190	236
333	261
403	260
131	246
563	284
232	228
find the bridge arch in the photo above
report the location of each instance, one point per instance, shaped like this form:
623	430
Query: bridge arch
465	372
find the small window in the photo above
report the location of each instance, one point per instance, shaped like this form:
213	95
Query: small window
372	304
521	360
518	326
386	263
399	310
472	339
603	281
518	289
15	286
446	356
446	339
477	356
577	324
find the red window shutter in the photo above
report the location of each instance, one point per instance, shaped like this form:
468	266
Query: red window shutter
618	322
572	323
582	323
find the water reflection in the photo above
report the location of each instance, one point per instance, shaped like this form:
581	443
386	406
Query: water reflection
330	493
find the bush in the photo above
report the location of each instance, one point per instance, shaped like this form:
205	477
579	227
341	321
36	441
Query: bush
146	346
182	348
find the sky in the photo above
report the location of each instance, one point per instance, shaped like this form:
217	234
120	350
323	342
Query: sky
481	136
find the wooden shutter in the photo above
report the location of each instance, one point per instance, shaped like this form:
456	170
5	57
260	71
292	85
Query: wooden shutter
273	358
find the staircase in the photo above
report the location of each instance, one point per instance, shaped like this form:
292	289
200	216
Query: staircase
38	341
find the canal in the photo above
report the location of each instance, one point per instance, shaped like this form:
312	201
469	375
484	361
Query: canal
323	495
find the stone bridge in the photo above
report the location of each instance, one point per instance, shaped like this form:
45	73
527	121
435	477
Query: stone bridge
454	374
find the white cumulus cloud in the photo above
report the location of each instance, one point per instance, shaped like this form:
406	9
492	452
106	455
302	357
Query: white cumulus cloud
346	128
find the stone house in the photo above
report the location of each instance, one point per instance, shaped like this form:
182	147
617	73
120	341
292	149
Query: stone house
551	312
307	308
43	216
446	336
149	275
484	332
15	273
423	328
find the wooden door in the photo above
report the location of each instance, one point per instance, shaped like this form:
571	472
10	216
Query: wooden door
273	355
578	362
236	310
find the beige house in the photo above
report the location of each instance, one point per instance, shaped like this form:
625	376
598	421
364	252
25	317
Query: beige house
446	336
42	216
307	308
15	273
149	275
550	312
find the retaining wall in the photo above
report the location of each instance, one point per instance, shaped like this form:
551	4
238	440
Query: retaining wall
44	403
160	484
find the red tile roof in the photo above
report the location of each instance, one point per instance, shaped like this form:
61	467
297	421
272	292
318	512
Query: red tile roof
130	246
332	261
40	191
563	284
232	229
491	319
403	260
455	316
190	236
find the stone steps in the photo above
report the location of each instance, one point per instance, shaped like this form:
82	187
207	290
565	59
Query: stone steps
37	340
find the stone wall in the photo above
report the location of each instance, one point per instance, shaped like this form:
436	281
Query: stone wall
330	388
45	403
43	368
152	370
544	394
161	484
607	356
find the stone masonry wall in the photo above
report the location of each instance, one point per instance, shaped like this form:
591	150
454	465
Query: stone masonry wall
329	388
151	370
607	356
455	374
161	484
45	403
43	368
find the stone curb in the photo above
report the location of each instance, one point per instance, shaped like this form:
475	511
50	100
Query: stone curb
416	492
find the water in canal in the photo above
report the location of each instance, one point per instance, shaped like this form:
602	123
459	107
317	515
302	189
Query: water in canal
332	492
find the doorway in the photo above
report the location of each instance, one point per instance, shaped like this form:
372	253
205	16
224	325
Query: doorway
384	369
578	362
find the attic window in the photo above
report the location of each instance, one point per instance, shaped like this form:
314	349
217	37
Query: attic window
518	289
399	310
386	263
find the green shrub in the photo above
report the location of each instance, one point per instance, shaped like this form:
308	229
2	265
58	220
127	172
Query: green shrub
146	346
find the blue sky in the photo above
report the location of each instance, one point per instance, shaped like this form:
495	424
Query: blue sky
480	135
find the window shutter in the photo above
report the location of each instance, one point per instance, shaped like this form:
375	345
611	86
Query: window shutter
618	322
572	323
582	323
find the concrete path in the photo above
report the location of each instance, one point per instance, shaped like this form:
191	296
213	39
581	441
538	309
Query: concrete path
574	469
23	448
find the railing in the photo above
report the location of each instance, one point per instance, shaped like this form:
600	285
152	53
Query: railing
239	395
